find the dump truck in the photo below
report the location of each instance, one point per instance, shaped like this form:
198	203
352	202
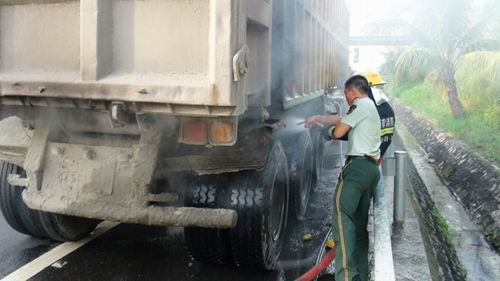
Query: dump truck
175	113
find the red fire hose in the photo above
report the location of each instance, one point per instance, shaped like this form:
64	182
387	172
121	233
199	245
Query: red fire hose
317	269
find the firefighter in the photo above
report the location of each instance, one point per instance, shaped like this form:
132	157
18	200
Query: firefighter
374	78
385	111
358	178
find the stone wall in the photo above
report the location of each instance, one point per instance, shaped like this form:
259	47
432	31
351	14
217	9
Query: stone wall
443	260
474	180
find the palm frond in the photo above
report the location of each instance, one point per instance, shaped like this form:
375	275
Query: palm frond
486	44
485	27
415	62
484	62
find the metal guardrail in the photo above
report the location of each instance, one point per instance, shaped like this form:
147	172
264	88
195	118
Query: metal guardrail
395	166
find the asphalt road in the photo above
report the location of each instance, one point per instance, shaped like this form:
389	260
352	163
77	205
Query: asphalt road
17	249
134	252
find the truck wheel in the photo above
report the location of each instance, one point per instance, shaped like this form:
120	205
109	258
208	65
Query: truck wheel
319	148
301	175
261	201
16	213
206	244
66	228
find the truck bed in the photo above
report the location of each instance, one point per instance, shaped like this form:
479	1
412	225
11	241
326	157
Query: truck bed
146	52
180	57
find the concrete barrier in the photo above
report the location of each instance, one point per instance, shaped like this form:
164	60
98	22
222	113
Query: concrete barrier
473	179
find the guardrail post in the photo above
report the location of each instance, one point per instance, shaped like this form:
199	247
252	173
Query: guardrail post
399	187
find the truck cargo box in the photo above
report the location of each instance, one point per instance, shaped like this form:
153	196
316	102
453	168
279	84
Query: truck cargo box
181	57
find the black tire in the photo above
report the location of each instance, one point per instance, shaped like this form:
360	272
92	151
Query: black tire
16	213
319	149
66	228
261	201
301	175
33	222
206	244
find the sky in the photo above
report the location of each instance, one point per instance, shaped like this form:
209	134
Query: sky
363	12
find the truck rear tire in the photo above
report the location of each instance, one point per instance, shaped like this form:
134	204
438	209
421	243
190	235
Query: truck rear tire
301	174
16	213
66	228
261	201
33	222
206	244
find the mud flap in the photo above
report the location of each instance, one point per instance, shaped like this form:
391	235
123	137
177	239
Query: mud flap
88	180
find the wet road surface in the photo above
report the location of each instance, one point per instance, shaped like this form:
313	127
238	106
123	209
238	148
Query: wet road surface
17	249
134	252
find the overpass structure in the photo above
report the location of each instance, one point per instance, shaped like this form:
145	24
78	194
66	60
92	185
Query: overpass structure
380	40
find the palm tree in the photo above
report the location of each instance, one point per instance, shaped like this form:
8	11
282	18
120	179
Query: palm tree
445	32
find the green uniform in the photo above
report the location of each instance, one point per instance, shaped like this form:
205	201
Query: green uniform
355	188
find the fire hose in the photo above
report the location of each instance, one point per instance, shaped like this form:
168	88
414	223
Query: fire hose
320	267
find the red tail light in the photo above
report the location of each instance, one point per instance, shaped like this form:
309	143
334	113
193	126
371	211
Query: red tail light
194	131
221	131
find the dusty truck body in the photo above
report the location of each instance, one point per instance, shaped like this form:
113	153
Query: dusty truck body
166	112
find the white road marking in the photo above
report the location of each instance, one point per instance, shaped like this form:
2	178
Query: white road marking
31	269
59	264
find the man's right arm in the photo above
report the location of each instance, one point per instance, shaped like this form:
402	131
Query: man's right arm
345	124
328	134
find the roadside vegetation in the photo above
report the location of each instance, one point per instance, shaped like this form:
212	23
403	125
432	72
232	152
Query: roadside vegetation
451	73
480	128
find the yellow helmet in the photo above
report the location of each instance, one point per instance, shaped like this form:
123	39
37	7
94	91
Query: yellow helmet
374	78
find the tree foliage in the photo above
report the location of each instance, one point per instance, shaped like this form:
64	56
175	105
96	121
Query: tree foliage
446	34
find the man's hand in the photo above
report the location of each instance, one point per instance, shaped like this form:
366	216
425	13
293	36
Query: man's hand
322	121
315	121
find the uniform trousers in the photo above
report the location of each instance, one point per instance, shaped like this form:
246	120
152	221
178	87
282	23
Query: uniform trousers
355	189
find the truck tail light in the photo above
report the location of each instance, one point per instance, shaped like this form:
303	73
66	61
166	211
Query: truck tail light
194	131
223	131
214	131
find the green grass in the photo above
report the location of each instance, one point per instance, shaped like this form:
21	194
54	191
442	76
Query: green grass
480	128
443	225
